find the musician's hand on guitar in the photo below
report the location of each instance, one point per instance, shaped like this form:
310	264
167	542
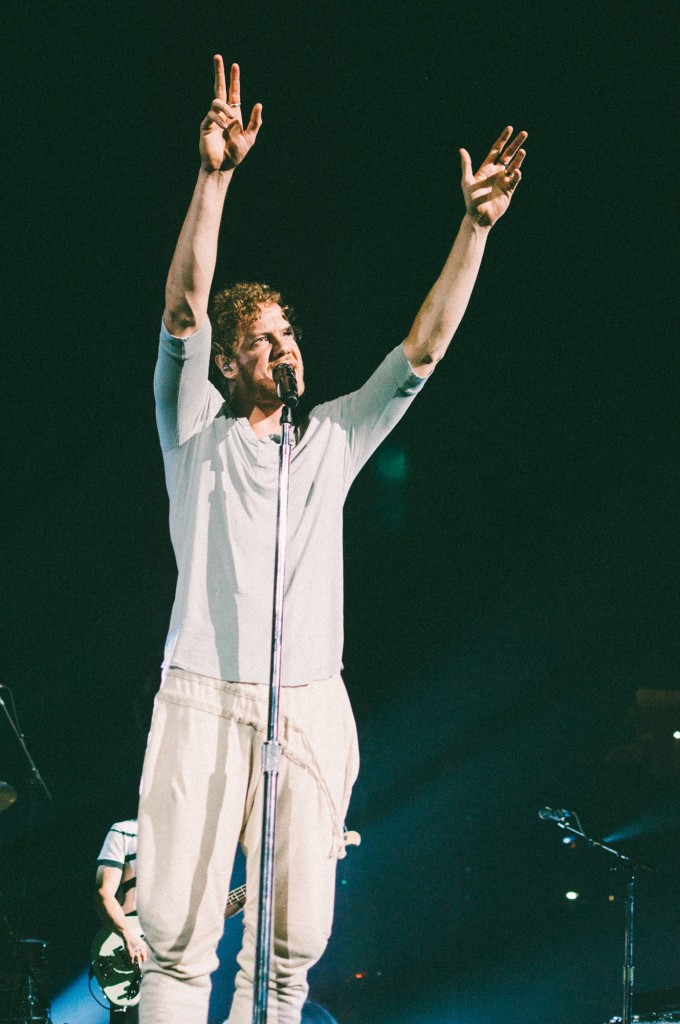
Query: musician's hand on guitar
136	948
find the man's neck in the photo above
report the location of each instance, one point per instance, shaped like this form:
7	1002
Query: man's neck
263	421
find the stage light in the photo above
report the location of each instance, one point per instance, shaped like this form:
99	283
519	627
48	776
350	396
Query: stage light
676	734
313	1013
567	840
571	895
391	463
76	1005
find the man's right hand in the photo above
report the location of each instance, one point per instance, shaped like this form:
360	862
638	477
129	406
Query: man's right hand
224	142
135	946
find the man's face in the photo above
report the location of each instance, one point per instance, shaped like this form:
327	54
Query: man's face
263	344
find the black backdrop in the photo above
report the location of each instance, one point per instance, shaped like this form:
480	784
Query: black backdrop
511	555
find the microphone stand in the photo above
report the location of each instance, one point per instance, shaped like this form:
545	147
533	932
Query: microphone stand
25	997
271	751
631	867
37	780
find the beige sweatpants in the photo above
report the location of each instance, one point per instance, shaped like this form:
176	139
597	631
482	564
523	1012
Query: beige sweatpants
201	794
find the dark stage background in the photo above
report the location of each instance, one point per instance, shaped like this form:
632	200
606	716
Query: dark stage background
511	553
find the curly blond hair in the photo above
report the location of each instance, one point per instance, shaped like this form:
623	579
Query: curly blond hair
238	306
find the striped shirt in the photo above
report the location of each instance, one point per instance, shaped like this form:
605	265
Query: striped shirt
120	851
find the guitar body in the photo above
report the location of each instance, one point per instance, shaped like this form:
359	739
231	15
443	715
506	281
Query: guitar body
119	979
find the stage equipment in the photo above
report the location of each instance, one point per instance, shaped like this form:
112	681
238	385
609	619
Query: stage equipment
659	1007
119	978
548	814
646	1019
312	1013
13	719
631	867
26	965
271	750
23	998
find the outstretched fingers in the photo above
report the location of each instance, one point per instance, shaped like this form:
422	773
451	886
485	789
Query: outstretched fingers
511	176
233	95
225	114
465	164
220	81
254	124
235	86
512	155
494	153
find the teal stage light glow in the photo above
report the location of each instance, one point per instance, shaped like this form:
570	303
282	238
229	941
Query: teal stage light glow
76	1005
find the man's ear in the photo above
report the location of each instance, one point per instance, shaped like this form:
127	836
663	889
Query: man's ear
225	366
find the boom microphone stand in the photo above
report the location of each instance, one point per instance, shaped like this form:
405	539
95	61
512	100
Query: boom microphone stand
631	867
10	710
29	956
284	376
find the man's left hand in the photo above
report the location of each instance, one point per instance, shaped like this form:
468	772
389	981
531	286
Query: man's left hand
488	192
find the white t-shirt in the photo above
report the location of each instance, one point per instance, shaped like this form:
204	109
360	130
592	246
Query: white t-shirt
222	483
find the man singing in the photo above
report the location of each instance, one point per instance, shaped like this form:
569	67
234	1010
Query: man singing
202	783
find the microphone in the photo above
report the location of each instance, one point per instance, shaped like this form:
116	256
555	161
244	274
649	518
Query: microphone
547	814
286	384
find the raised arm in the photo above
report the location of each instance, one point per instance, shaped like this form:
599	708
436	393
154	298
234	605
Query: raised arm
224	143
487	196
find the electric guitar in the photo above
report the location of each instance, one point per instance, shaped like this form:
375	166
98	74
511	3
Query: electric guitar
120	979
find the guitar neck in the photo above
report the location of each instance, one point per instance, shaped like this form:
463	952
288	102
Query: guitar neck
235	901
